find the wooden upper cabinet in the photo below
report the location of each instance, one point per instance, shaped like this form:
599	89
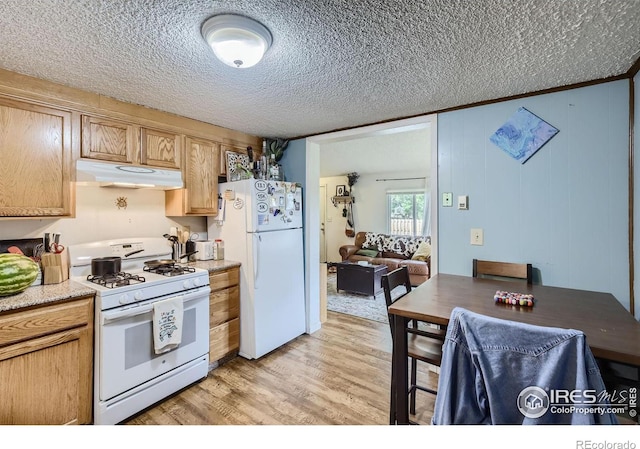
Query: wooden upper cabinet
36	155
200	169
108	140
159	148
126	143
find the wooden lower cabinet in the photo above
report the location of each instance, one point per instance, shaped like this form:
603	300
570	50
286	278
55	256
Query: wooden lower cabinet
224	339
224	313
46	364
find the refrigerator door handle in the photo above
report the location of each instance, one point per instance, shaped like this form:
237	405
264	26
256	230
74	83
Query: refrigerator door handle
256	256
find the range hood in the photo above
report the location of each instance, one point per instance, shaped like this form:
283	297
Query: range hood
108	174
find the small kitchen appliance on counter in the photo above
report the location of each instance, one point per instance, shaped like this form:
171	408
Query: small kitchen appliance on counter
204	249
128	373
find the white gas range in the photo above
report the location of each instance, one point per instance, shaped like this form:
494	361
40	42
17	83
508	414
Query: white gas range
128	373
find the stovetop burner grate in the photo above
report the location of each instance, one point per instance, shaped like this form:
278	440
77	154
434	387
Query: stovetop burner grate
171	269
115	279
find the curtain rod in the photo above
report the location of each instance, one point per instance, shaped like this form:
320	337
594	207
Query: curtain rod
399	179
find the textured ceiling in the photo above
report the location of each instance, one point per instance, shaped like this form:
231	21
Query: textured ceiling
398	152
333	64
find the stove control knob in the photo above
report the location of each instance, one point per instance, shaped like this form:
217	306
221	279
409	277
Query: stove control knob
197	282
124	299
187	284
138	295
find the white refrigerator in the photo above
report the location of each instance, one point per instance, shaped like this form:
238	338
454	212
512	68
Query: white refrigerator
261	225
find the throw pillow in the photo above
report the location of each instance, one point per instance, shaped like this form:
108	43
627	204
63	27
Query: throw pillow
368	252
373	241
423	252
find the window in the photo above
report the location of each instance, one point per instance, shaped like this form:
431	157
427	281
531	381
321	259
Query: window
405	213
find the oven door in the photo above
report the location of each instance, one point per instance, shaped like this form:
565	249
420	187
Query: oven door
126	355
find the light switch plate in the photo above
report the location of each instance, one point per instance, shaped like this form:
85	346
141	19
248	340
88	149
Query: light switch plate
447	199
477	236
463	202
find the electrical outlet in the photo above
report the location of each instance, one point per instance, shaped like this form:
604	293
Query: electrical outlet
477	236
447	199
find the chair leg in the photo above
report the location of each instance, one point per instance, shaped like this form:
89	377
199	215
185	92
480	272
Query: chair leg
392	408
412	400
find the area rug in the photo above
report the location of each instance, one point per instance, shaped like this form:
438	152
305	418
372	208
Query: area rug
353	304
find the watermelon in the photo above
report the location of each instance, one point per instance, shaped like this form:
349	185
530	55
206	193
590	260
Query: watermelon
17	272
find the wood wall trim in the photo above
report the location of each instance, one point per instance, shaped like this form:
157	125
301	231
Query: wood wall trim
480	103
634	69
47	93
631	197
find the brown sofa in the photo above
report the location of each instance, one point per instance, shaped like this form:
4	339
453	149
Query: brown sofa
389	250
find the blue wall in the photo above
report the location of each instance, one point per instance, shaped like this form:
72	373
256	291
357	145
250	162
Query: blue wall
293	161
565	210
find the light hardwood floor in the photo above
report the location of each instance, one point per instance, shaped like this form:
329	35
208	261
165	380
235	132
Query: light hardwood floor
338	375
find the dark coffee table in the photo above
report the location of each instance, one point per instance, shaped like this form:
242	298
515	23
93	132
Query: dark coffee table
363	279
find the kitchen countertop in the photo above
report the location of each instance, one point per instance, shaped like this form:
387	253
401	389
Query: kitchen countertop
46	294
214	265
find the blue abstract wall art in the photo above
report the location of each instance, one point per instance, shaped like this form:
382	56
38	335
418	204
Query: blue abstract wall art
523	134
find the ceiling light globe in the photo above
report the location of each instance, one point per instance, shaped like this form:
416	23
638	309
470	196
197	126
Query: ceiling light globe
237	41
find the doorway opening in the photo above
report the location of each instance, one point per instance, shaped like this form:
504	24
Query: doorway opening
326	230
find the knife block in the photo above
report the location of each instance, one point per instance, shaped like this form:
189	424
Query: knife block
55	267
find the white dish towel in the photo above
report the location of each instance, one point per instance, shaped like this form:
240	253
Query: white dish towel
167	324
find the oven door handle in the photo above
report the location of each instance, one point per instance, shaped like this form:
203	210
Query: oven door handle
110	317
129	313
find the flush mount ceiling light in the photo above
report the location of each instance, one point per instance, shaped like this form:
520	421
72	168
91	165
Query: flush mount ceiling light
237	41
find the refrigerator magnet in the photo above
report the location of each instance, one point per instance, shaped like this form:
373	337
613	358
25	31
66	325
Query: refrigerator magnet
263	219
291	200
238	203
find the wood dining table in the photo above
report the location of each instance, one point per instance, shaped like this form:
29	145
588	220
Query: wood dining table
612	333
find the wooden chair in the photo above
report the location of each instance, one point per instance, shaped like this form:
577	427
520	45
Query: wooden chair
423	345
503	270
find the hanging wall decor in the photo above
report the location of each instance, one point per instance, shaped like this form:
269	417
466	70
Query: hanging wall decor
121	202
238	166
523	134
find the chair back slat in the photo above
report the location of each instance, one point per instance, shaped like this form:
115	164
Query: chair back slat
390	281
503	269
